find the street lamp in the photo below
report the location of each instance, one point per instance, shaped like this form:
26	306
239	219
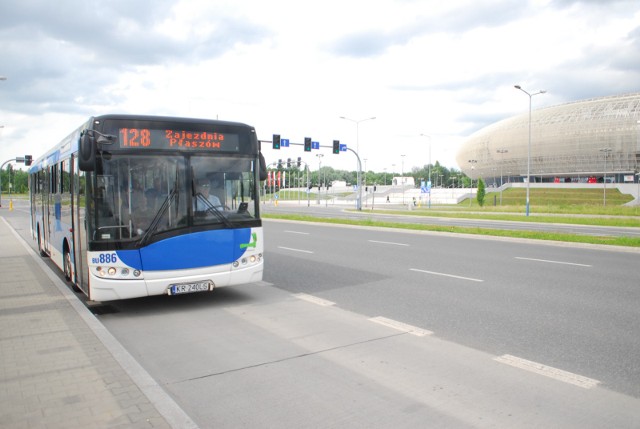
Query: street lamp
473	163
366	195
501	152
529	149
606	151
402	177
426	135
638	192
357	122
319	155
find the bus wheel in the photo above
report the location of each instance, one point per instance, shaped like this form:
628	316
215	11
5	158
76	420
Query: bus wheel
40	247
67	270
67	266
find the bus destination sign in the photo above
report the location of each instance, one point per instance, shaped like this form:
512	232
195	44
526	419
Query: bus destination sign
146	138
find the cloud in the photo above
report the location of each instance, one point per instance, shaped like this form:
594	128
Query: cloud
419	66
59	52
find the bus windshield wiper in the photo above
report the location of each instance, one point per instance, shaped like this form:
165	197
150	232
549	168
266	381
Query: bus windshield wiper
156	219
213	210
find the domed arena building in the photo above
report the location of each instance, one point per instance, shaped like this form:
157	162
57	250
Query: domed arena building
579	142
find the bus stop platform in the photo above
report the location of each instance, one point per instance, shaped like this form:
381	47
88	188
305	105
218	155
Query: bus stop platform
59	367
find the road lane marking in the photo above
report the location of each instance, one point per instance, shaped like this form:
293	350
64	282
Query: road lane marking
314	299
294	250
552	262
548	371
445	275
401	326
297	232
388	242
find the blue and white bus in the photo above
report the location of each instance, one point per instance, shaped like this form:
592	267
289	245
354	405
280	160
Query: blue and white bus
121	206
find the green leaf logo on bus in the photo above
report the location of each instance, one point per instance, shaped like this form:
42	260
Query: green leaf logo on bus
252	243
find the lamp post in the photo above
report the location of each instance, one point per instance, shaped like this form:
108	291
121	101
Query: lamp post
473	163
319	155
529	146
357	122
366	195
402	177
428	136
501	151
606	151
638	193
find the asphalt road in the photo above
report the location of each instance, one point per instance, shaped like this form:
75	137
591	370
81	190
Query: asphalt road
361	327
328	210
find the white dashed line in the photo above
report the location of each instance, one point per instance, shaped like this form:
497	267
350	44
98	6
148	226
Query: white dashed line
401	326
295	250
548	371
552	262
314	299
445	275
388	242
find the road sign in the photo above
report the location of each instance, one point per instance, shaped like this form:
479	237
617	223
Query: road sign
343	147
315	145
284	142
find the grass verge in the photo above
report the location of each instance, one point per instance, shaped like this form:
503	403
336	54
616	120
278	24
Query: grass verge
572	238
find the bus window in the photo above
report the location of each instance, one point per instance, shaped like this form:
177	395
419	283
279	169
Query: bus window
125	206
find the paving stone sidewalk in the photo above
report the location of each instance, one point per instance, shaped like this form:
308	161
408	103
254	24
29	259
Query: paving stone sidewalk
54	371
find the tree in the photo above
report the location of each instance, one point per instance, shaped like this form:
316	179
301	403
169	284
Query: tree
481	192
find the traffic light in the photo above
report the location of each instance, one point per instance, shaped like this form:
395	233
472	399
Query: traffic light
279	164
299	161
28	159
288	162
336	147
307	144
276	141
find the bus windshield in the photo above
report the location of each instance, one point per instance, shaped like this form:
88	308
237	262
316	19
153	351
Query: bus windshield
139	196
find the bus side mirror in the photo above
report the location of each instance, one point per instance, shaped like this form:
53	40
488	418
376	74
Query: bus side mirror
263	168
87	152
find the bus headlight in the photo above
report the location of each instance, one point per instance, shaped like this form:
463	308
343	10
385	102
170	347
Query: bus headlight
247	260
122	273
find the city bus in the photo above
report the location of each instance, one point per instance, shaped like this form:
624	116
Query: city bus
124	206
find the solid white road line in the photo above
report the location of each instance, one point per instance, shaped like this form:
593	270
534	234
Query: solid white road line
314	299
297	232
547	371
401	326
552	262
445	275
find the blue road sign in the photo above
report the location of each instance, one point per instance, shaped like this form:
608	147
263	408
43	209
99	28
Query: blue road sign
315	145
343	147
284	142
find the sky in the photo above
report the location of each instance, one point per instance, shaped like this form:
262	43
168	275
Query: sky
430	72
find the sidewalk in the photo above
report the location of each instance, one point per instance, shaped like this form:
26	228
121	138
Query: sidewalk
59	367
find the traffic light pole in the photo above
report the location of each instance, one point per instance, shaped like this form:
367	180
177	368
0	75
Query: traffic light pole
2	168
26	159
359	199
358	180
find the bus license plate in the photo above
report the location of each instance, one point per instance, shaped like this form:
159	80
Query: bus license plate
181	288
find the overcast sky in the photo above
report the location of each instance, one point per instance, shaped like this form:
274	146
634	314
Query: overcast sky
440	68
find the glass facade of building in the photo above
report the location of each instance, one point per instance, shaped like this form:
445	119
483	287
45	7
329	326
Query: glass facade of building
577	141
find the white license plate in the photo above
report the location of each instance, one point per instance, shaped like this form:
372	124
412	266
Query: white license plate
181	288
